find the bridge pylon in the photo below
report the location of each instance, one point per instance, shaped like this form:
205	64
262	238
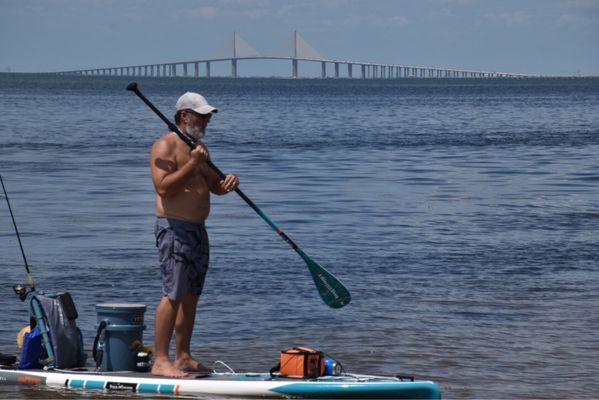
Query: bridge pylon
294	44
241	49
301	50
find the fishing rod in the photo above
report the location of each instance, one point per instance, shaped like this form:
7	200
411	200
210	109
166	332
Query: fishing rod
22	292
330	289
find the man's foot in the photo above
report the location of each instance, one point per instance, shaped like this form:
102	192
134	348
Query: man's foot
187	363
165	368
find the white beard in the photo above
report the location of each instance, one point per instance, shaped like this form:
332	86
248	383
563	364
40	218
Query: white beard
195	132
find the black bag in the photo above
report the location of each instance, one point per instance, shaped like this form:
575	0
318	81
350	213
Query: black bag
66	340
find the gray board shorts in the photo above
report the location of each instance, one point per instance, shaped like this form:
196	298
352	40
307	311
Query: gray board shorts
183	251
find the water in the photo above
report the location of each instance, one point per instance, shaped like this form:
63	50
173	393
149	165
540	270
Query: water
462	215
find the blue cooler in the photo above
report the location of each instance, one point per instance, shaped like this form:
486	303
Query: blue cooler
120	336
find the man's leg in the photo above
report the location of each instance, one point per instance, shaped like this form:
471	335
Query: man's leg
183	331
166	315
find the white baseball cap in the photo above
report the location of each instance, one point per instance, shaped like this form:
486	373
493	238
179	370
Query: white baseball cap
196	102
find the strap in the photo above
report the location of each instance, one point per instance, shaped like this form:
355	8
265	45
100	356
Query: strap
38	312
98	347
66	301
275	369
305	350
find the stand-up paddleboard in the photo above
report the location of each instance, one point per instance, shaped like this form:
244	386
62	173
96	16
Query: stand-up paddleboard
345	386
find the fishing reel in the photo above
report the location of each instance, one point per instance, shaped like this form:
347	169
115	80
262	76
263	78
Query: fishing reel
22	291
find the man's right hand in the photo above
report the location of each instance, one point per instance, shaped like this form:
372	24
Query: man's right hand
199	155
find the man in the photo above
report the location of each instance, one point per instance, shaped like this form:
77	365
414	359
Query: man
183	183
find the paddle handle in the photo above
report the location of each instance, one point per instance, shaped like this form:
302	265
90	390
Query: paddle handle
133	88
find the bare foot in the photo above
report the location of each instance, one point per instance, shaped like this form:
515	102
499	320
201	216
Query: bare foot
165	368
187	363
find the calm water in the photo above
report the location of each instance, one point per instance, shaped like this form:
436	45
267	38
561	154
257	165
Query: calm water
462	215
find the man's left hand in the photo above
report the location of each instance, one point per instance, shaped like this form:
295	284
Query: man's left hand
230	183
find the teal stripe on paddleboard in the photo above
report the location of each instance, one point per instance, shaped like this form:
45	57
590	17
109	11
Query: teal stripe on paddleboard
95	385
352	390
147	388
77	383
166	389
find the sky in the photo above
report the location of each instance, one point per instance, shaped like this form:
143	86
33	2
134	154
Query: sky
549	37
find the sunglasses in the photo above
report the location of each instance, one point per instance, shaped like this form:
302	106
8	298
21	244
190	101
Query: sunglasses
198	115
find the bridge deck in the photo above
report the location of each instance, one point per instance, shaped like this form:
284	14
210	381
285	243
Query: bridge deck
368	69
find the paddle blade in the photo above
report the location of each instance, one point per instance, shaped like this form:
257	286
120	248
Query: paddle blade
331	290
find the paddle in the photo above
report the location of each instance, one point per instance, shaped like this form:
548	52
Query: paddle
331	290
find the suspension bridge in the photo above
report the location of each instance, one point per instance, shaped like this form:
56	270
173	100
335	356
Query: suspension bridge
302	51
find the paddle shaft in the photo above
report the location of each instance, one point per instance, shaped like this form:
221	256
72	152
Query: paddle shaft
133	88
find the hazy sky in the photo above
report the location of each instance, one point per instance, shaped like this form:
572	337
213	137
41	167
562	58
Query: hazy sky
558	37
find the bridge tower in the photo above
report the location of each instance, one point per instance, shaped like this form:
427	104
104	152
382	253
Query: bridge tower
234	59
294	61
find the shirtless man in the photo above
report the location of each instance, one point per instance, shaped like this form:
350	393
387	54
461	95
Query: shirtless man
183	183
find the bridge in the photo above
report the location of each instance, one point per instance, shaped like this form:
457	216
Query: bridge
303	52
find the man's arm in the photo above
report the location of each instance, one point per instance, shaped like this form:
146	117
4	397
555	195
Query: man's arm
167	179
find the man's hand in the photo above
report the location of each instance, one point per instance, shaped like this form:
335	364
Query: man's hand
199	155
230	183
